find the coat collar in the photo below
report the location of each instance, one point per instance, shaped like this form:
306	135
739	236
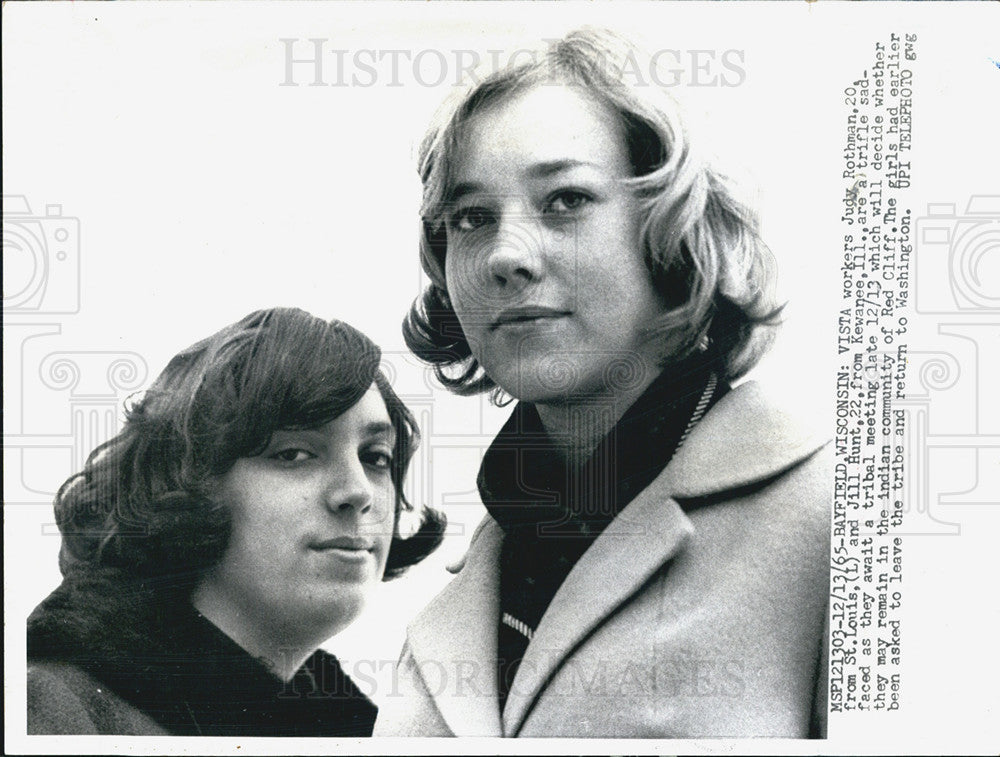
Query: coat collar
148	644
746	438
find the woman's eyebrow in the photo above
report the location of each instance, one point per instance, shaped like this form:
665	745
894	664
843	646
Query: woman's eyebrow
376	428
548	168
541	170
465	188
283	434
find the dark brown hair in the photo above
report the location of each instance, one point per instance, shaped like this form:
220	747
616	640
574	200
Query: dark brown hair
143	501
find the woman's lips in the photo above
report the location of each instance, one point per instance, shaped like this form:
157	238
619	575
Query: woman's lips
526	314
348	544
346	549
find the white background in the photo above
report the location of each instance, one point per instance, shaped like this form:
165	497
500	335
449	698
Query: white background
205	190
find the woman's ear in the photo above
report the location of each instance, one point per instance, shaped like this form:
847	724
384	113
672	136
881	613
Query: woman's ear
457	565
408	522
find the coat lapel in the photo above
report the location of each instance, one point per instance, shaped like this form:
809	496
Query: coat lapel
647	533
454	640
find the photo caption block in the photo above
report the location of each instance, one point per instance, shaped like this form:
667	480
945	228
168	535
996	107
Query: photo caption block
868	544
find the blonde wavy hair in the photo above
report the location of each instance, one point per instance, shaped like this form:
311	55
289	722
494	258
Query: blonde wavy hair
701	244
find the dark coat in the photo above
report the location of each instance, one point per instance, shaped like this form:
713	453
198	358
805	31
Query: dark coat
108	655
698	612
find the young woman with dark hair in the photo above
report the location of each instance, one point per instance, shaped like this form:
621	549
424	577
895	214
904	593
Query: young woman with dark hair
239	519
655	558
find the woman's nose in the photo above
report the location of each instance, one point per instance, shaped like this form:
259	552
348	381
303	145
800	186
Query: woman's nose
515	254
349	488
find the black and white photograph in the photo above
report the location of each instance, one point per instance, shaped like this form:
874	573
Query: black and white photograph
500	377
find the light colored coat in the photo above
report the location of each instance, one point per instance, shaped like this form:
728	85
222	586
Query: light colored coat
701	621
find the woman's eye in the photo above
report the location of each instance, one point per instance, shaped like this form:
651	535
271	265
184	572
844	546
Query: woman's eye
567	201
469	219
377	459
292	455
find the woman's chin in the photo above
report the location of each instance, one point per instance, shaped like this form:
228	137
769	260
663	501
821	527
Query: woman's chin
537	378
334	613
544	385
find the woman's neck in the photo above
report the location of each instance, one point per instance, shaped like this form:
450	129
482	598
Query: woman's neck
577	426
282	647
